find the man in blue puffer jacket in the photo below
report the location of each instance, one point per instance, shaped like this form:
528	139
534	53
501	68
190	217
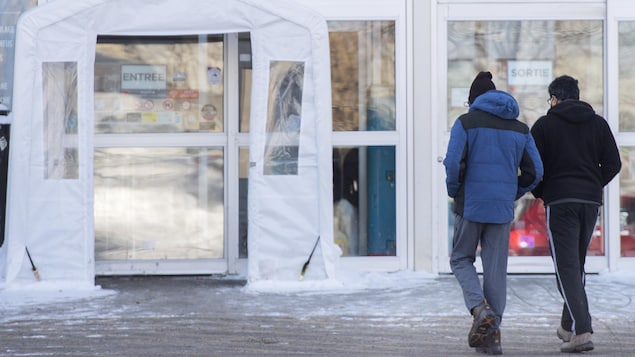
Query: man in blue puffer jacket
491	162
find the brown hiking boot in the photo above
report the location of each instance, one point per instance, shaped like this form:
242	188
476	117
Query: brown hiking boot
492	344
484	320
578	343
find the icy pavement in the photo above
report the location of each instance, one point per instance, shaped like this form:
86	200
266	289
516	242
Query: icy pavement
374	314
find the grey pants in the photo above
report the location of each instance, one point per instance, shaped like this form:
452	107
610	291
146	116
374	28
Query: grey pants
494	241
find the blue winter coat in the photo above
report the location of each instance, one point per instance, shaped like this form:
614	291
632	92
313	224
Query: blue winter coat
491	160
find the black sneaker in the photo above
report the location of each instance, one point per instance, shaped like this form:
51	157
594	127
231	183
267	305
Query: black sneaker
484	320
492	344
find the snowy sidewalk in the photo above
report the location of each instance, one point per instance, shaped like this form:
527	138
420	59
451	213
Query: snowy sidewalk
401	314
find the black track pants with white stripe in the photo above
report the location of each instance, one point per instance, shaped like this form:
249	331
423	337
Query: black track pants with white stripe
570	227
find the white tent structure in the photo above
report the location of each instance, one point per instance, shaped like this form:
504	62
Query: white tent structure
51	211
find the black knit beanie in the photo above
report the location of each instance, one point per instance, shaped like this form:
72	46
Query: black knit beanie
481	84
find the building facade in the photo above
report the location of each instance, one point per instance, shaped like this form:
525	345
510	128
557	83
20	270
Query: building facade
171	156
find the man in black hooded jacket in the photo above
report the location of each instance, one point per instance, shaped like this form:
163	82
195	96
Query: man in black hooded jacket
580	157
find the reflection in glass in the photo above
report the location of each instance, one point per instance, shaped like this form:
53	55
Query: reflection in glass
364	200
243	210
626	75
284	119
363	85
528	234
244	66
61	159
524	57
167	84
362	74
627	124
159	203
627	202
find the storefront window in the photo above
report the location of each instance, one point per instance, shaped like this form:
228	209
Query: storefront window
627	124
363	85
626	76
524	57
243	189
10	12
139	91
362	75
364	200
244	109
363	88
159	203
627	202
244	77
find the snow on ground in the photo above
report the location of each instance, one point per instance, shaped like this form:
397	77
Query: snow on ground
344	283
47	292
22	294
384	295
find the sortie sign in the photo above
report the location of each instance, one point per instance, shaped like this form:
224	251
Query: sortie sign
529	73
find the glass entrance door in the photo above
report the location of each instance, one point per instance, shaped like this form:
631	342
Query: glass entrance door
524	55
160	153
621	76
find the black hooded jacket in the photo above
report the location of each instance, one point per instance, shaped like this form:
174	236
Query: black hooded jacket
578	151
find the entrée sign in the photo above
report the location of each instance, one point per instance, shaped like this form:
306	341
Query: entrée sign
143	77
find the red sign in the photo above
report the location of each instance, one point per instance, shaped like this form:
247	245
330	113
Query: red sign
183	93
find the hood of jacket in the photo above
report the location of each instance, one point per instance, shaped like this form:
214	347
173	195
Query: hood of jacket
497	102
573	111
